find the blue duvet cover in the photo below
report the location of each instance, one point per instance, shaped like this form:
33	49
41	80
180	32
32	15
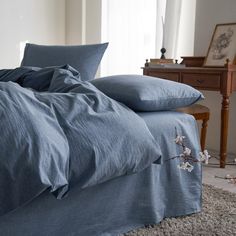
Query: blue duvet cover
124	203
58	132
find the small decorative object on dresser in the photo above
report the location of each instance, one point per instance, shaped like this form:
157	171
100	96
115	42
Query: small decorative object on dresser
222	46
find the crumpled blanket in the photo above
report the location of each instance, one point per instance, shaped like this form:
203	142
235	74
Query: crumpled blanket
58	132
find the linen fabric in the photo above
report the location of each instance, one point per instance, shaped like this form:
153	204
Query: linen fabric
70	135
123	203
84	58
146	93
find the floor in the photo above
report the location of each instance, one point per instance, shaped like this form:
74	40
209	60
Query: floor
212	170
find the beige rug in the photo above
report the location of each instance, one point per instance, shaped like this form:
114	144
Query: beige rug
218	217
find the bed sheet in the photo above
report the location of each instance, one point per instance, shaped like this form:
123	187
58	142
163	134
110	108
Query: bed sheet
124	203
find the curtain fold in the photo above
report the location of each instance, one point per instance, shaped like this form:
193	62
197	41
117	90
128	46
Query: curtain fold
129	27
179	28
160	29
172	26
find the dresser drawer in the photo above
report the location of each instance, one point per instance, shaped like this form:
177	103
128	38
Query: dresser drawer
210	81
164	75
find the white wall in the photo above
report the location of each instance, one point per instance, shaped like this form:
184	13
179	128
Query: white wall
186	28
74	22
83	21
208	14
46	22
93	21
36	21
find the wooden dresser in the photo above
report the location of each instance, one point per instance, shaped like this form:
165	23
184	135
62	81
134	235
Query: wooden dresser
222	79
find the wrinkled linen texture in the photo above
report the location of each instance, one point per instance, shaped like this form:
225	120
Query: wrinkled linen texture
69	134
124	203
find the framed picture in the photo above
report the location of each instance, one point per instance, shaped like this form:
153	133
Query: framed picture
222	46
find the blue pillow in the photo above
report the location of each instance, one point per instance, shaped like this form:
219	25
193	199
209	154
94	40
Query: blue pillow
146	93
84	58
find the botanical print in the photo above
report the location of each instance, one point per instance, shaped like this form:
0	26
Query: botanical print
223	45
187	160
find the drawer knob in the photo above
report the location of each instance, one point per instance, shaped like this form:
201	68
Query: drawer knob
200	81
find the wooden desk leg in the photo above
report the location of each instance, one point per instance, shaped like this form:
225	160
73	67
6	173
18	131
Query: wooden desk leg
224	130
203	133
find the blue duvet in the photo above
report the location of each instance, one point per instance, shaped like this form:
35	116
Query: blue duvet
58	132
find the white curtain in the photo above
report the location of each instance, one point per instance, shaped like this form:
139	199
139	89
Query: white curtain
172	23
134	30
130	28
179	28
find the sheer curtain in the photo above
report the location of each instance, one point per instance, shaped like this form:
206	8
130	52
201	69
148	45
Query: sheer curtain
179	28
130	28
134	31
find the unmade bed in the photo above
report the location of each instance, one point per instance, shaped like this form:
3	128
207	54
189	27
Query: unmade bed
124	203
85	157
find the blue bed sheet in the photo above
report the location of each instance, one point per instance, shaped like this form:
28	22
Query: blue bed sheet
124	203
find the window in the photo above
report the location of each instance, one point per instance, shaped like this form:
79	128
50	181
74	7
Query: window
134	31
130	28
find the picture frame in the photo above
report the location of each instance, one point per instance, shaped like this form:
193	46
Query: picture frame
222	46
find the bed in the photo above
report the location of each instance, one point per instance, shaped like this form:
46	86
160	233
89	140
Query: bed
144	187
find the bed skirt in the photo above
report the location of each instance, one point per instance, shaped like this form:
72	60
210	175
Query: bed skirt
111	208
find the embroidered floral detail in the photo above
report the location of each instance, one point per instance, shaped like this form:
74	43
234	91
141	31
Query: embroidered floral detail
187	151
179	139
185	166
204	156
186	158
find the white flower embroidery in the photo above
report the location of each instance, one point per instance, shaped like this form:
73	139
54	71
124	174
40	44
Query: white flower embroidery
204	156
181	166
185	166
187	156
187	151
179	139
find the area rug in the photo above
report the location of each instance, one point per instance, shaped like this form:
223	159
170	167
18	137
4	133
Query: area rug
218	217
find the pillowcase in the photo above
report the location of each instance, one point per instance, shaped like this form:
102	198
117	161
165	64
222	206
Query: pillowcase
84	58
146	93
